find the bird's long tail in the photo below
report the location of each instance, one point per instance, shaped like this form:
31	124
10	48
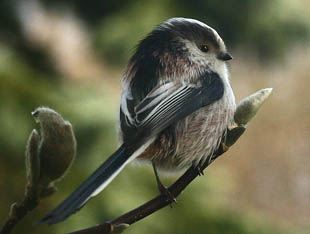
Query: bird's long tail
91	186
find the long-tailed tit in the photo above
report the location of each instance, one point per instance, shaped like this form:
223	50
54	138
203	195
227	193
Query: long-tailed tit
176	105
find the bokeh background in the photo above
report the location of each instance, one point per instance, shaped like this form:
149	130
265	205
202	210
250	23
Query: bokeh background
70	55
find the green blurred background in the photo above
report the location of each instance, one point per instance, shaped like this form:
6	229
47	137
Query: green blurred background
70	55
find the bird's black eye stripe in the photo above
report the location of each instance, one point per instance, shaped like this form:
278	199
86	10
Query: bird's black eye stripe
204	48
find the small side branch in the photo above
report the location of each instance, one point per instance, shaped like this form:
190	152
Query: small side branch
40	182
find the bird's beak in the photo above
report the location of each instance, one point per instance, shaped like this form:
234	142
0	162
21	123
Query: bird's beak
224	56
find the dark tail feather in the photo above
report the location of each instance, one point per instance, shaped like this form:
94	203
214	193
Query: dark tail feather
90	187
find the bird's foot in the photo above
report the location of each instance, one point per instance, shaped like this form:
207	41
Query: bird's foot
200	171
163	189
165	192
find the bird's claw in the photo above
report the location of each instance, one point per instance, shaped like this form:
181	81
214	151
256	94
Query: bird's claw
165	192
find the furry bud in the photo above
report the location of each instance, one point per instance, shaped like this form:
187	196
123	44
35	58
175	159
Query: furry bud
248	107
32	158
57	146
246	110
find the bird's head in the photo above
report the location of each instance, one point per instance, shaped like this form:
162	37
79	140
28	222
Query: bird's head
181	44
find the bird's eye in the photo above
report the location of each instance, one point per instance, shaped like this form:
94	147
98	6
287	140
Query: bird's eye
204	48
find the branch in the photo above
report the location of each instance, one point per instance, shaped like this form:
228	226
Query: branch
246	110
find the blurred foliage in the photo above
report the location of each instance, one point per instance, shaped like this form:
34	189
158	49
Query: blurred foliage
267	28
30	76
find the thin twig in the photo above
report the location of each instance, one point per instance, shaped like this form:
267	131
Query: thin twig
19	210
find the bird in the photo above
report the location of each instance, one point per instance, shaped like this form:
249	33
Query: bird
176	105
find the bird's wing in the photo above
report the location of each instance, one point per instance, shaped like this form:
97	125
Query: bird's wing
169	103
